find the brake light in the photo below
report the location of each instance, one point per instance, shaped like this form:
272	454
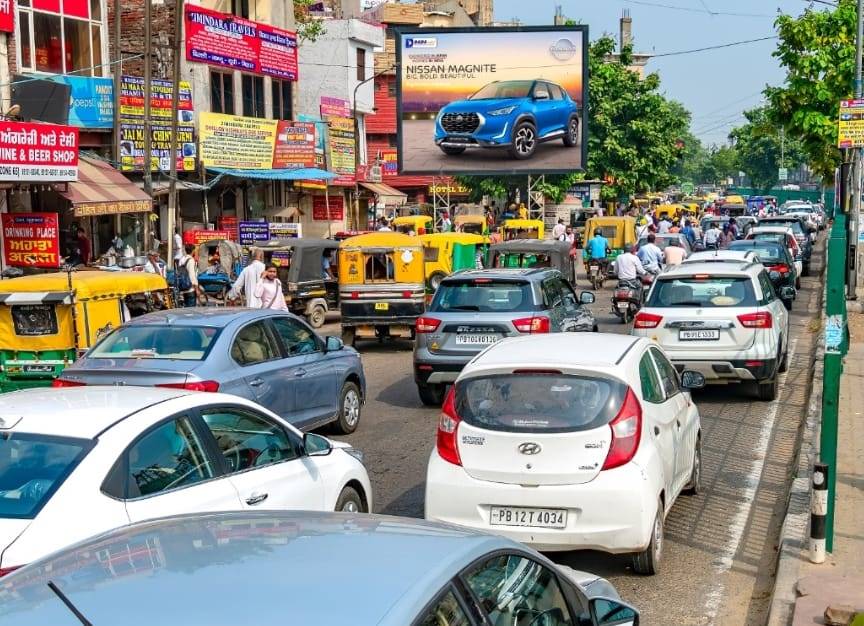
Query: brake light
533	325
448	428
201	385
782	268
482	281
60	382
646	320
623	293
762	319
426	325
406	294
8	570
355	295
626	431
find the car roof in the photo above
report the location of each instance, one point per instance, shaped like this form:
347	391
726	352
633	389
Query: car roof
754	243
216	317
501	273
82	412
307	567
718	256
570	350
726	268
769	229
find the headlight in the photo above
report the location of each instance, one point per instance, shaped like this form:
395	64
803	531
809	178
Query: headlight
503	111
357	454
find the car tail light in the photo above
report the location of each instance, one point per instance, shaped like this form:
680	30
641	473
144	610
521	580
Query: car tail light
406	294
646	320
448	429
762	319
533	325
200	385
624	294
781	268
8	570
61	382
626	431
426	325
355	295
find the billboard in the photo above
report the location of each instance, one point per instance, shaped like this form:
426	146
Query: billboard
851	125
32	152
31	239
507	100
91	100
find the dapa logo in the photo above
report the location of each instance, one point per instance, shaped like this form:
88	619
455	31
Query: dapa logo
421	42
563	50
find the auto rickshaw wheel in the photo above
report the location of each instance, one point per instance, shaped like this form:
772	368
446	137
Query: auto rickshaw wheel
317	316
348	335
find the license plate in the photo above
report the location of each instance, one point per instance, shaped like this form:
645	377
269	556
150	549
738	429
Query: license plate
475	340
382	306
520	516
40	369
595	268
698	335
623	305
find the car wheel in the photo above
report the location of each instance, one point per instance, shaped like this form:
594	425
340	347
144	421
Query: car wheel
317	316
451	151
349	409
784	363
348	335
431	395
524	141
767	390
648	561
788	304
435	280
350	502
694	485
571	138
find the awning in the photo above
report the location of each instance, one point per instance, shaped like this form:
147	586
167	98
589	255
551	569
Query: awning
102	190
308	173
386	192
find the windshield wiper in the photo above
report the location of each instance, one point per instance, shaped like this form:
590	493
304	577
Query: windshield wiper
84	621
686	303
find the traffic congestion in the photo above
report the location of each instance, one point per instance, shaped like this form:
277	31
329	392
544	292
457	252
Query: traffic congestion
521	390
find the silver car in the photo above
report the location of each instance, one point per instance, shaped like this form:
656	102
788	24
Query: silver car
475	308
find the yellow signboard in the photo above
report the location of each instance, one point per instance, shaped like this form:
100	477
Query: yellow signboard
453	188
91	209
236	142
851	124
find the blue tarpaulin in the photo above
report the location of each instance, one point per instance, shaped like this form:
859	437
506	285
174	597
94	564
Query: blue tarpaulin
308	173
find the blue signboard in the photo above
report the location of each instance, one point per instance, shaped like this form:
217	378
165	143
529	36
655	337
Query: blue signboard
250	233
92	101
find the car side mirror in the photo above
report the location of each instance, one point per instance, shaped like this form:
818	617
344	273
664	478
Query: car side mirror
606	612
316	445
541	95
333	344
787	293
691	380
586	297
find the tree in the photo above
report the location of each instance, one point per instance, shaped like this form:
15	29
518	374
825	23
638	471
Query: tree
308	28
759	149
817	49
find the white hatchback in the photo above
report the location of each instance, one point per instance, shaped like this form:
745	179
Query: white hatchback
81	461
567	442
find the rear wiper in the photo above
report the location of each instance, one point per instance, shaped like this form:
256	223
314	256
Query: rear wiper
68	603
686	303
465	307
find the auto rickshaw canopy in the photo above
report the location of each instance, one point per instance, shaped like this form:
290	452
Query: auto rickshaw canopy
413	222
87	285
527	226
618	230
304	256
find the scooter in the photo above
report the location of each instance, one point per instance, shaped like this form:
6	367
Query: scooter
629	295
597	269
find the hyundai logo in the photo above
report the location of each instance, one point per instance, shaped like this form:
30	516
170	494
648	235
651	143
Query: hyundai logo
529	448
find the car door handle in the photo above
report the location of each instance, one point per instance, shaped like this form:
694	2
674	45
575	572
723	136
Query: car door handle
256	498
256	382
300	373
657	431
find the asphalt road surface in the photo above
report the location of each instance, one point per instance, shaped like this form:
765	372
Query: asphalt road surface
720	553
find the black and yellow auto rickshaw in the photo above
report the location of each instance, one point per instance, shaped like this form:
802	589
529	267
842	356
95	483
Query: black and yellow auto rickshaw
381	286
307	269
534	253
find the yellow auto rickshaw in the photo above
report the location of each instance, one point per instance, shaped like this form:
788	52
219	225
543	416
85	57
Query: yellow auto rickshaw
669	211
522	229
412	224
473	224
48	320
445	253
381	285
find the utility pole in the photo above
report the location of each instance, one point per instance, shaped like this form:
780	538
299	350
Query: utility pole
148	54
854	214
175	98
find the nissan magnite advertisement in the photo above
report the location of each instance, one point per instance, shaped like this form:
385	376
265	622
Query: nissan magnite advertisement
503	100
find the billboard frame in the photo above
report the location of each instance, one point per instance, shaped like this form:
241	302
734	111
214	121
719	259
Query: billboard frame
401	31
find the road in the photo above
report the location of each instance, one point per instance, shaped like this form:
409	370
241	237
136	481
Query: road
721	545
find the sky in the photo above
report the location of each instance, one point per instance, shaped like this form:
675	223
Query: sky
716	86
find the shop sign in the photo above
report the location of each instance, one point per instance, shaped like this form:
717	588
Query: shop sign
38	152
295	145
161	94
320	212
335	107
239	44
31	239
285	230
197	237
234	142
91	102
132	147
851	124
227	223
342	150
250	233
92	209
7	16
390	163
454	188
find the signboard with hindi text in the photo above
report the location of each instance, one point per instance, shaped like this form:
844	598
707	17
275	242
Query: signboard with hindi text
342	150
851	124
295	145
31	239
320	212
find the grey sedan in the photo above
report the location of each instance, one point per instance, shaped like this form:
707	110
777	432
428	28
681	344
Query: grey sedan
305	568
270	357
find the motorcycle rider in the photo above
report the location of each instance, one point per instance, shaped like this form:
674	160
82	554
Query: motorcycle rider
629	267
651	255
598	249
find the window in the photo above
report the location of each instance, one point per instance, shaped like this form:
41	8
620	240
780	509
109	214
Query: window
240	8
32	320
555	92
156	341
391	89
247	440
446	610
361	64
379	267
253	96
651	389
430	254
513	589
551	294
296	338
768	294
703	291
668	374
168	457
61	38
253	344
222	92
491	297
282	103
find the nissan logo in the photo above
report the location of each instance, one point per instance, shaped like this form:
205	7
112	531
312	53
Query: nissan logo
529	448
563	50
460	118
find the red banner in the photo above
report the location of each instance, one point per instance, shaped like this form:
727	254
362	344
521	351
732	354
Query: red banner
7	16
295	145
38	152
319	208
197	237
230	41
31	239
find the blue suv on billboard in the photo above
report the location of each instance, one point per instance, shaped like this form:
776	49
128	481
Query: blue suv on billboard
516	115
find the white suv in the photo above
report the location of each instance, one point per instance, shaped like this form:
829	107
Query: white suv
568	442
724	320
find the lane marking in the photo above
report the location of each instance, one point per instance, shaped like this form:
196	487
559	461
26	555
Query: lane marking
739	522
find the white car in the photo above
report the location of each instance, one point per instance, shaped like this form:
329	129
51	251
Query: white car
568	442
720	256
81	461
724	320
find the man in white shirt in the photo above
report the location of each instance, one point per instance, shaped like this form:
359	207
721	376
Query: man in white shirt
664	226
178	246
154	265
248	280
628	266
712	236
558	230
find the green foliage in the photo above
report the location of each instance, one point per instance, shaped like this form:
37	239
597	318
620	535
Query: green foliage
308	28
758	146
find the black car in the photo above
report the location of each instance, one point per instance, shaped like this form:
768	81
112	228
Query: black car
776	259
802	235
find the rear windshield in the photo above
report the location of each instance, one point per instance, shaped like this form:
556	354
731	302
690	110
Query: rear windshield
708	292
484	297
530	403
794	225
767	253
32	468
33	320
183	343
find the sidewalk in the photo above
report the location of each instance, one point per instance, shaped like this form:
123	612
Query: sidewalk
840	580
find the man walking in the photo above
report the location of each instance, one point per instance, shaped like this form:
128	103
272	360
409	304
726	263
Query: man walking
187	276
248	280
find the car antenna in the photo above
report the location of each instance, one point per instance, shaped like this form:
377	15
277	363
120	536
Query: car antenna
65	600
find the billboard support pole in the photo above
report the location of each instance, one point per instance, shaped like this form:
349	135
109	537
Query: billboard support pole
440	201
536	198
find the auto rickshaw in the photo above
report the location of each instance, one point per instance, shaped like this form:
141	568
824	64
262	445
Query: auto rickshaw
300	267
381	286
473	224
522	229
669	211
534	253
618	231
220	262
48	320
735	209
408	224
445	253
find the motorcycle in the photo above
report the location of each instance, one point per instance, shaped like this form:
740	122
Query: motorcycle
597	272
628	296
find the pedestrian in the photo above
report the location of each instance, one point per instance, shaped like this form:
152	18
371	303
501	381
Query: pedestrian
733	228
558	230
569	236
675	228
269	290
523	211
186	276
178	246
688	232
712	236
673	254
154	264
725	237
446	224
248	280
327	266
664	225
642	230
383	225
85	250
